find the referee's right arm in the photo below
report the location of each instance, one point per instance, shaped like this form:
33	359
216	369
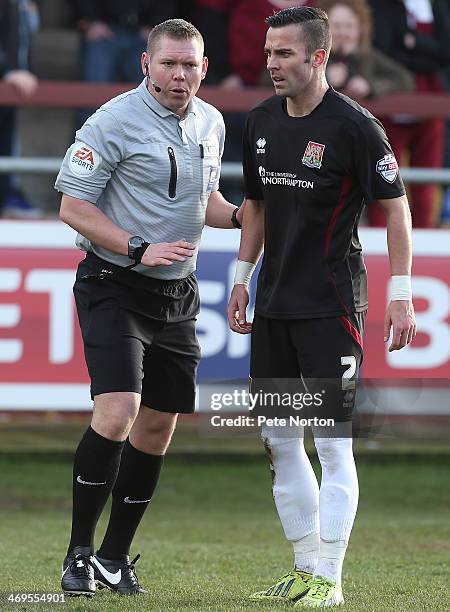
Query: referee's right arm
93	224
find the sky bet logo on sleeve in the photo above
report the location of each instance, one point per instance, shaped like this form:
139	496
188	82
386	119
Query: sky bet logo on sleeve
388	167
83	160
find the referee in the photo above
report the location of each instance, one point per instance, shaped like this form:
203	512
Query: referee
312	159
138	184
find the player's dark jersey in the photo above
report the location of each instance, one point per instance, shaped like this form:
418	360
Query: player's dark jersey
315	174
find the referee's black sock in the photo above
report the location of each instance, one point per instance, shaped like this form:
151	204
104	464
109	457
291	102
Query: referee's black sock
94	472
135	485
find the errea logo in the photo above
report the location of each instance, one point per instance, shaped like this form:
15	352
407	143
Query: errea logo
260	145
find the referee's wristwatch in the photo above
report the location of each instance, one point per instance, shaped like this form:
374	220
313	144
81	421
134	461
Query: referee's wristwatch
136	248
234	220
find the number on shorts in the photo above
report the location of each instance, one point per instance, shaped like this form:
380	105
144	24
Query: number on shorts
347	376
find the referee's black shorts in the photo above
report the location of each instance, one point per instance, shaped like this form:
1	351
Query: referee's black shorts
139	334
314	356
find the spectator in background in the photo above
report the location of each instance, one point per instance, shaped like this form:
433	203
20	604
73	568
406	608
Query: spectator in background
235	32
355	68
18	19
114	35
416	34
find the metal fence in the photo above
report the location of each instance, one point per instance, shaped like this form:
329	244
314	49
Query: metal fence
233	171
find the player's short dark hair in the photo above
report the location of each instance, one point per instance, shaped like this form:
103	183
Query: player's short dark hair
178	29
314	22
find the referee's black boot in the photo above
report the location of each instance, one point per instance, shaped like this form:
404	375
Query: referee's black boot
118	575
78	573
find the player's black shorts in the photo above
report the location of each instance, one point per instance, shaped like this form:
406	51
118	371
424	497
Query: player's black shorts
139	334
309	356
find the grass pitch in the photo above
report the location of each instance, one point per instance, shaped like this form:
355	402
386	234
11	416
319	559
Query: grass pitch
211	536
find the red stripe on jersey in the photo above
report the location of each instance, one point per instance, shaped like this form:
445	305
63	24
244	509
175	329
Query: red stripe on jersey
336	212
352	330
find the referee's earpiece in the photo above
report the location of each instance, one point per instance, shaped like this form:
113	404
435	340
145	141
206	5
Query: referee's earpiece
155	87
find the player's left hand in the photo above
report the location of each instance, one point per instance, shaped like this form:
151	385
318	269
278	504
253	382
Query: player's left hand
237	310
400	316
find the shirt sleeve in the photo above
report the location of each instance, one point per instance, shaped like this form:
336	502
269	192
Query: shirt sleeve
374	161
93	157
252	186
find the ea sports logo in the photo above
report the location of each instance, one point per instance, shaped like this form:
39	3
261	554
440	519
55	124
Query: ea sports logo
83	159
85	154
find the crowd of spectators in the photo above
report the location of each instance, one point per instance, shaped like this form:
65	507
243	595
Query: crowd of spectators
357	68
416	34
18	20
113	35
379	47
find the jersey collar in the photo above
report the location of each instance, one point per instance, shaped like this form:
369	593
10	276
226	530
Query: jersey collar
316	110
158	108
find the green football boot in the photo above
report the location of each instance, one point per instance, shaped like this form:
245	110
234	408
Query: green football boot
322	593
289	587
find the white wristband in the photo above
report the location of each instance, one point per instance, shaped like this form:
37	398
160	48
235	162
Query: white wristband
244	271
400	288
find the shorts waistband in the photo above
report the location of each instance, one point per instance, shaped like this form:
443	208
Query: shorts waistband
133	276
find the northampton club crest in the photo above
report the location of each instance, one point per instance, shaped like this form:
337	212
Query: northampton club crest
313	154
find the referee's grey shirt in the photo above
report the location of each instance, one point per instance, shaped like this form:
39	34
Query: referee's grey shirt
150	171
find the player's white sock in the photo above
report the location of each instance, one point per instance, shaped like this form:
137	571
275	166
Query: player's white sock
331	560
296	494
338	501
306	552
